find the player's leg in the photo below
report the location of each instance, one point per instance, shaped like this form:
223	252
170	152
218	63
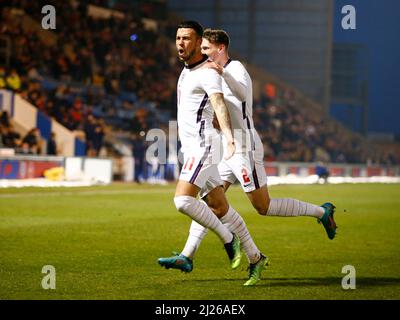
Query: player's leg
221	209
257	192
186	202
194	174
226	185
197	232
196	235
287	207
283	207
231	170
218	203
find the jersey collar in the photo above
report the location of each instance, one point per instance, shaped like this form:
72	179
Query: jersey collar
228	62
191	66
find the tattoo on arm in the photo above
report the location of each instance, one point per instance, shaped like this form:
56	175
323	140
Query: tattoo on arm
222	113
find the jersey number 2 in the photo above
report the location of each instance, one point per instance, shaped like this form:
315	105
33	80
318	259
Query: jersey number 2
246	178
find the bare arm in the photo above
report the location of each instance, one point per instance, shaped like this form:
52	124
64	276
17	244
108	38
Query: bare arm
221	111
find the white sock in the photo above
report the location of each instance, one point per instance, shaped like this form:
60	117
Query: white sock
203	215
236	224
196	235
293	208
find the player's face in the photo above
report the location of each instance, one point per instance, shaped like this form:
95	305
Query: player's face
212	50
187	44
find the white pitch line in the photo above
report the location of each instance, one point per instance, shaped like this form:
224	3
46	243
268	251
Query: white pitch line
83	193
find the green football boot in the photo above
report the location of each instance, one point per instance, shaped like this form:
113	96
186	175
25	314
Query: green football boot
328	221
255	270
234	252
177	261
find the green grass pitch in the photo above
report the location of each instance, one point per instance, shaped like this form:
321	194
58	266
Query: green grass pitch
104	243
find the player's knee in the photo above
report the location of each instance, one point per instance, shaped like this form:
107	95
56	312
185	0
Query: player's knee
261	208
218	205
183	203
220	210
213	205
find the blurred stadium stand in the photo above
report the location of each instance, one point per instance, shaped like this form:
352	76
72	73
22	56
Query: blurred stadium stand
109	70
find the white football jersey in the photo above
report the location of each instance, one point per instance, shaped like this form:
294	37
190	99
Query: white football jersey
239	100
195	113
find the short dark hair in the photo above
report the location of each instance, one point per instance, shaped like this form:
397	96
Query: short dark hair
192	25
216	36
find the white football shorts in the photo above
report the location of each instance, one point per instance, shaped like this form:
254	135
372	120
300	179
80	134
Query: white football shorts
200	166
247	168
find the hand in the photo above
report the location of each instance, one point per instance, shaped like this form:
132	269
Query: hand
212	65
230	150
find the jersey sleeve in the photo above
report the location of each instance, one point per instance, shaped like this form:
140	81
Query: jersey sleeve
235	78
211	81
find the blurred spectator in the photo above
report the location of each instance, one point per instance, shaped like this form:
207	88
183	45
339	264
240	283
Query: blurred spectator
11	138
98	137
2	78
13	81
94	131
139	151
2	128
24	149
76	114
52	145
33	72
32	140
322	172
4	119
